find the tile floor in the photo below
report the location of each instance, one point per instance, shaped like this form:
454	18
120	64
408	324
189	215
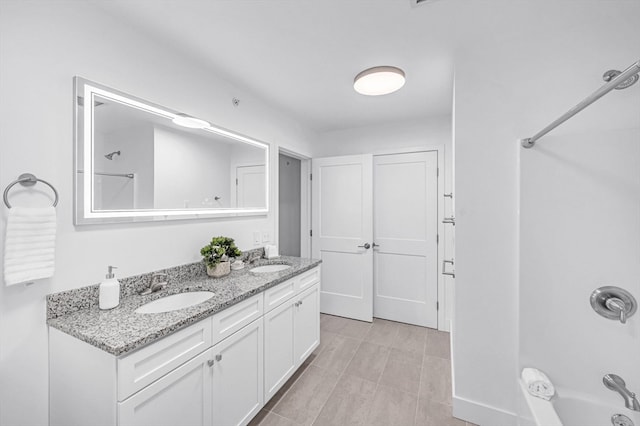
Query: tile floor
382	373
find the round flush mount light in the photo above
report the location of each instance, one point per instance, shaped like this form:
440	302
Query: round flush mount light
185	120
379	81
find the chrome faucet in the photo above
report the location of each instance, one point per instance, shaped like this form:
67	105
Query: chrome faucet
615	383
156	286
252	259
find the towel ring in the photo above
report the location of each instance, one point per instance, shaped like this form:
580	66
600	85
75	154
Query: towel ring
27	179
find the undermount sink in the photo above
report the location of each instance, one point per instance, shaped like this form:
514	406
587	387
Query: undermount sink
269	268
175	302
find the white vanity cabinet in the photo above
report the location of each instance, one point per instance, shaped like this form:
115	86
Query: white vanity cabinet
182	397
291	328
219	371
238	371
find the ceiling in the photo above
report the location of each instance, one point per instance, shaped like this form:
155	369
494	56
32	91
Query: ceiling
301	56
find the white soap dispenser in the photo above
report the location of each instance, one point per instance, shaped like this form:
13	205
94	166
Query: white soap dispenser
109	291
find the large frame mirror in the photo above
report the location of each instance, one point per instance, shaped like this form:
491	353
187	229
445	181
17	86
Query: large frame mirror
138	161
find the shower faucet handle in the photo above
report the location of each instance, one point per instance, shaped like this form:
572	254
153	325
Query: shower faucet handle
615	304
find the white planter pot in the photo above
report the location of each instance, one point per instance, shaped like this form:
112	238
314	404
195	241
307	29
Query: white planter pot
220	270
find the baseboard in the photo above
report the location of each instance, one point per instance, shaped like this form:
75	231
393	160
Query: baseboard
481	414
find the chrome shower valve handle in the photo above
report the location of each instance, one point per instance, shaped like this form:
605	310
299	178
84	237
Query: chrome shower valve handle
614	303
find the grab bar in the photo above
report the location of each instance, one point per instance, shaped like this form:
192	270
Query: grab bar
444	267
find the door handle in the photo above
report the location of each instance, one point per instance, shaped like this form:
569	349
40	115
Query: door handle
218	357
366	246
444	266
375	245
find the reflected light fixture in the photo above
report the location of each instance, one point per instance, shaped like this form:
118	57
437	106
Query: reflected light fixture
379	81
185	120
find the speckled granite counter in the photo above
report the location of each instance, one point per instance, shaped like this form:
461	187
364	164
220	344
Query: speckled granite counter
121	330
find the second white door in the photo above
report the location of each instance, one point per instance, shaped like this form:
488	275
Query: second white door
405	229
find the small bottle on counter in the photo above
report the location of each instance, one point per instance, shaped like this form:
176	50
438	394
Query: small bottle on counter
109	291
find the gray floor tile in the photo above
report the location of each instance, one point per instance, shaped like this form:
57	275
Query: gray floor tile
410	338
325	338
368	362
283	390
307	396
402	371
349	403
337	353
353	328
435	381
392	407
438	344
268	418
382	332
431	413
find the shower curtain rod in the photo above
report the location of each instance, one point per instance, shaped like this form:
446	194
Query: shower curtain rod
612	84
127	175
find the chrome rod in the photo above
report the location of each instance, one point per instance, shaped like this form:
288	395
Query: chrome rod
127	175
624	75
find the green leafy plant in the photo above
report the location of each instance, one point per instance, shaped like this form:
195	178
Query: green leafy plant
220	249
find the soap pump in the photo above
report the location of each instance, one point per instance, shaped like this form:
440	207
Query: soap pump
109	291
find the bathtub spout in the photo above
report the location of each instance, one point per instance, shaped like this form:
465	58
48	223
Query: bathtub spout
615	383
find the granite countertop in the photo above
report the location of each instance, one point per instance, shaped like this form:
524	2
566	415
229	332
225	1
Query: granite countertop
121	330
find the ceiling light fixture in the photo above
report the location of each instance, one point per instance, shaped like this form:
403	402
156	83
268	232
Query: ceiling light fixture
185	120
379	81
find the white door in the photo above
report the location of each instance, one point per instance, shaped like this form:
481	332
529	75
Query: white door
238	390
182	397
405	232
250	186
342	226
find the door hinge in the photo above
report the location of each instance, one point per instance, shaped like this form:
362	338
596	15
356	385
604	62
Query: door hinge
438	171
310	176
311	232
437	238
236	181
437	306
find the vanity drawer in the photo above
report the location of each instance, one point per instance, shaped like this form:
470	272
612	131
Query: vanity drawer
237	316
274	296
144	366
308	279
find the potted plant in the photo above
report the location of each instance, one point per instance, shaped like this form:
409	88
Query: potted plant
217	254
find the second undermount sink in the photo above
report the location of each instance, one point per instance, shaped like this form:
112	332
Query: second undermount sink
174	302
270	268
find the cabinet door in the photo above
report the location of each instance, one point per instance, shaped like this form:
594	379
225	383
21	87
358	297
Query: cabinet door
238	376
279	359
306	323
182	397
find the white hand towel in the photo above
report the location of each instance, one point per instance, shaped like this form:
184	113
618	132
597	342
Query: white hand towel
29	252
538	384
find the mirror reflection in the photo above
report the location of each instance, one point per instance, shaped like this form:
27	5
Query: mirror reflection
136	162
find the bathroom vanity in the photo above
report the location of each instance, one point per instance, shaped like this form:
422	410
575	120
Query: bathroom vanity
215	363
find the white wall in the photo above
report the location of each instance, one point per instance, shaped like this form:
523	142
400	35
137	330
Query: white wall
580	230
42	46
207	176
530	63
136	156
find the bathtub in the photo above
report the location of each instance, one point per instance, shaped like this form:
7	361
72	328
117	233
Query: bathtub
568	408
